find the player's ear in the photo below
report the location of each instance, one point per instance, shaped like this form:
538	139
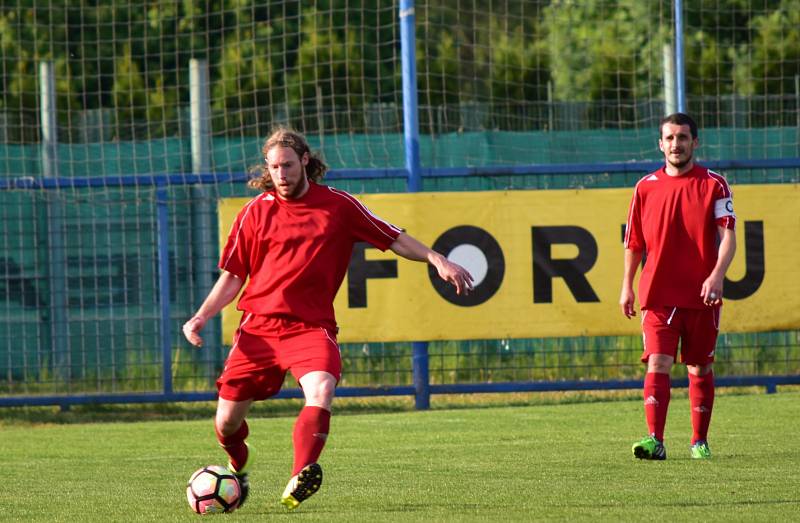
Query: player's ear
304	160
660	145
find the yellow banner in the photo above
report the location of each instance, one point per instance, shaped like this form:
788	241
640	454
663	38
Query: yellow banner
548	263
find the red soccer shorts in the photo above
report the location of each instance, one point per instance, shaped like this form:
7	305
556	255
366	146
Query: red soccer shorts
696	329
265	348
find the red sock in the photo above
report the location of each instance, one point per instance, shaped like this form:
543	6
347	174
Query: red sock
701	397
234	445
656	402
310	433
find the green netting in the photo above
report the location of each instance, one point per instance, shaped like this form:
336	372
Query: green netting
486	148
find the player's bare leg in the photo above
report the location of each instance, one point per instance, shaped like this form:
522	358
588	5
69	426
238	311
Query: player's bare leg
232	430
309	436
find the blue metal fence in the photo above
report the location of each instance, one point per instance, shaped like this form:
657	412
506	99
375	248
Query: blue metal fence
419	369
421	383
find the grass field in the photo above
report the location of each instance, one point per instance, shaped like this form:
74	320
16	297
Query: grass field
548	462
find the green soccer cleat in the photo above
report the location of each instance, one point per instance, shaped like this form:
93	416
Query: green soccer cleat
243	476
700	450
649	448
302	486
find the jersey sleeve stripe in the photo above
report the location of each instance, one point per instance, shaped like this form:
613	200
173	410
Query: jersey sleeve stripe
239	230
366	212
630	214
726	190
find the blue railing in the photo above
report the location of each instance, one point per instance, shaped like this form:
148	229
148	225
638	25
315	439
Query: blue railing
414	173
422	388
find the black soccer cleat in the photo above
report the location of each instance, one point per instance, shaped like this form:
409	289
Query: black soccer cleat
242	476
302	486
244	487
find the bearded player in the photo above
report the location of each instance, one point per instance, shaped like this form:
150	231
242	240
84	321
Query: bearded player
293	242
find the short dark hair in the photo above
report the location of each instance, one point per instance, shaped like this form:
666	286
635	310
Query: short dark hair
678	119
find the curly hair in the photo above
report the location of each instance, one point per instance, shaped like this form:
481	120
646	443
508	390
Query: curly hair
286	137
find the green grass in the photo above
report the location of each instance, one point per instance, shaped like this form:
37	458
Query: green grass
481	462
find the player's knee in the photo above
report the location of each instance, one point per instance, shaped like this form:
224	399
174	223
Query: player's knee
226	425
699	370
660	363
320	394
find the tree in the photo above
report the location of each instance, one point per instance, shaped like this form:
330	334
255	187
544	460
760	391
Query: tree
603	50
769	62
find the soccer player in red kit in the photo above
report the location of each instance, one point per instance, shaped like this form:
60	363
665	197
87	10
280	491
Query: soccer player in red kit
294	242
681	216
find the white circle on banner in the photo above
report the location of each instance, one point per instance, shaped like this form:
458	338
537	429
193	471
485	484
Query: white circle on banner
472	259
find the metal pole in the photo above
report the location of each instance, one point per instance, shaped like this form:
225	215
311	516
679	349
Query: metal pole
204	229
797	99
410	106
200	109
680	66
422	385
670	102
162	214
797	108
414	167
56	249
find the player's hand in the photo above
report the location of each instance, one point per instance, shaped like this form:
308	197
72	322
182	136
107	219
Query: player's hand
711	291
192	328
455	274
627	301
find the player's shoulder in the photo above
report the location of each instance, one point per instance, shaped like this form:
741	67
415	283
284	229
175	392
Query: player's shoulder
648	178
337	196
261	201
716	176
256	205
715	179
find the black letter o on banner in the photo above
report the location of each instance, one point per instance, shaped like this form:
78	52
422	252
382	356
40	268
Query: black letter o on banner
466	234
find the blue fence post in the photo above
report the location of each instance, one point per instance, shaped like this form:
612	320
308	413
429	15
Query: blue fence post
680	66
422	390
162	213
422	385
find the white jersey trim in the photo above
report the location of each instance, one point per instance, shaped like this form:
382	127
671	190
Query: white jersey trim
631	211
239	230
366	212
723	208
717	177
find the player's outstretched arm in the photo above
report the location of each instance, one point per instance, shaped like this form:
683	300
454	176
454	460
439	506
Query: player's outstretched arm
412	249
223	292
627	298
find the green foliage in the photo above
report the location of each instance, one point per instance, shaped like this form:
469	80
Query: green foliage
276	60
770	62
605	50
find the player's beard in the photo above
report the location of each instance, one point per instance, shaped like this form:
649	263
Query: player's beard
292	191
683	162
300	187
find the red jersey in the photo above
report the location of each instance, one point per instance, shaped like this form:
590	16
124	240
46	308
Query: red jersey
674	220
296	252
